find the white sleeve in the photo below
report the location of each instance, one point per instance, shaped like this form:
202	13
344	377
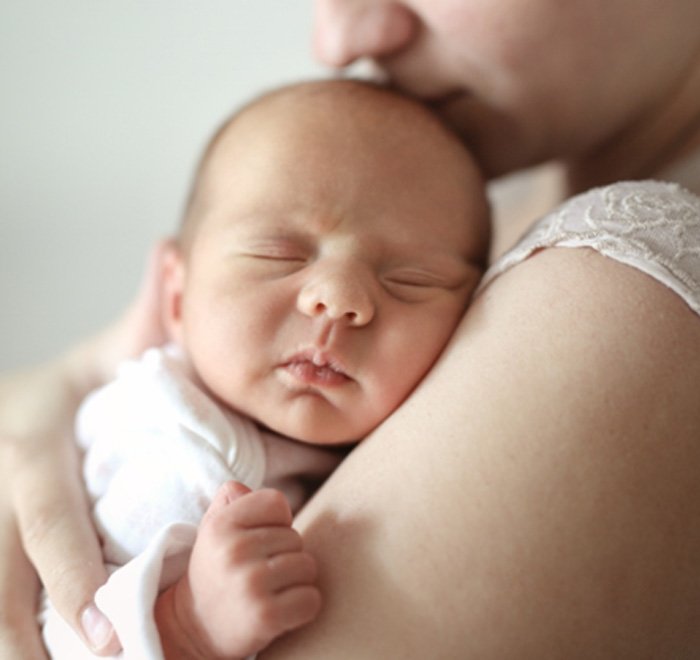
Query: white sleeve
128	597
157	448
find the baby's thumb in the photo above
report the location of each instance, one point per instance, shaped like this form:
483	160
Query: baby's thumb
229	492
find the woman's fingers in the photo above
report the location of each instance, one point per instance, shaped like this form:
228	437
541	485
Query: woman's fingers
44	508
58	536
45	504
19	590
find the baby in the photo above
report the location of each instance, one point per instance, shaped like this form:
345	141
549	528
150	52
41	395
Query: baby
334	235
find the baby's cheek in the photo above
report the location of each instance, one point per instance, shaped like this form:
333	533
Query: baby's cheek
390	390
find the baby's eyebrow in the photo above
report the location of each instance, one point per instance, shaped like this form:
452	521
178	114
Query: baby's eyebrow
252	234
279	233
281	218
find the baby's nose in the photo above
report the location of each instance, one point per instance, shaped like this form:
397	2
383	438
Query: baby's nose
341	296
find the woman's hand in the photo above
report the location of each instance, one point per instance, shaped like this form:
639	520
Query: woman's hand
44	516
45	506
19	637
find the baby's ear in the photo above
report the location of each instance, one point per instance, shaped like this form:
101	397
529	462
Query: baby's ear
173	269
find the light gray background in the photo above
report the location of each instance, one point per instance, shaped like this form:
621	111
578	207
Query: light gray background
104	107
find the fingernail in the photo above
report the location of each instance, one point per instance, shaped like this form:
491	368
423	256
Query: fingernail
97	628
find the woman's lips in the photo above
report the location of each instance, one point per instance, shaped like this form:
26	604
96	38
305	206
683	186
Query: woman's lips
440	101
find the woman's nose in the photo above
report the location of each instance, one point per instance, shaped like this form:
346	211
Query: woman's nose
339	296
345	30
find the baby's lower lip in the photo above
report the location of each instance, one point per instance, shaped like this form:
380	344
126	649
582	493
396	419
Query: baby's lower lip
308	373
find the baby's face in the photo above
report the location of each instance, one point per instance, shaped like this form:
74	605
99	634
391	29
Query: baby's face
334	257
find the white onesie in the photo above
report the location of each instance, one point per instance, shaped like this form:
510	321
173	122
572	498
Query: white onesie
157	448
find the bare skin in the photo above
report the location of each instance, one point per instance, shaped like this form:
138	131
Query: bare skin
336	258
564	474
527	82
35	427
582	505
505	496
264	580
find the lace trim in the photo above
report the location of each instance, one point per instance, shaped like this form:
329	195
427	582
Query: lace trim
650	225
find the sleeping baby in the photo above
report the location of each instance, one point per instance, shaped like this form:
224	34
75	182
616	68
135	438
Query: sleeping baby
334	235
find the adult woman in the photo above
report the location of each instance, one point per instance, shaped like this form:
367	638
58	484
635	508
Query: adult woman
541	498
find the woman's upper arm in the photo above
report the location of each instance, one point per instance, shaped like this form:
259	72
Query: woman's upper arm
538	496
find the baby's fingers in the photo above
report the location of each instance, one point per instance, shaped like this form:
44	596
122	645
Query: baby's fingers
236	506
291	569
297	606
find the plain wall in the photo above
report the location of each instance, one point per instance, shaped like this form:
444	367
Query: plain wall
104	109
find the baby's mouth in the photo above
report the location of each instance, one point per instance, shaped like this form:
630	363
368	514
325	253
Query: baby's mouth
316	369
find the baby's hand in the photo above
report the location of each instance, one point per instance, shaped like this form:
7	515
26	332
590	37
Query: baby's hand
248	579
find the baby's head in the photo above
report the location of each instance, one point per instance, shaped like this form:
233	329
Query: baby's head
333	237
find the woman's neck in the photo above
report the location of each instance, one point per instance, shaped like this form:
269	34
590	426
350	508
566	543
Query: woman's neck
660	139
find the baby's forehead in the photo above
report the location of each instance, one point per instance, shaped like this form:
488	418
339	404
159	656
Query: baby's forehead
335	106
291	137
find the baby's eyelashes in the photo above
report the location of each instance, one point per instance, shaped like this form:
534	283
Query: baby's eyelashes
408	290
417	284
282	250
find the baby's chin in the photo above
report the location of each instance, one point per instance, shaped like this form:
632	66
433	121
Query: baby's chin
314	433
